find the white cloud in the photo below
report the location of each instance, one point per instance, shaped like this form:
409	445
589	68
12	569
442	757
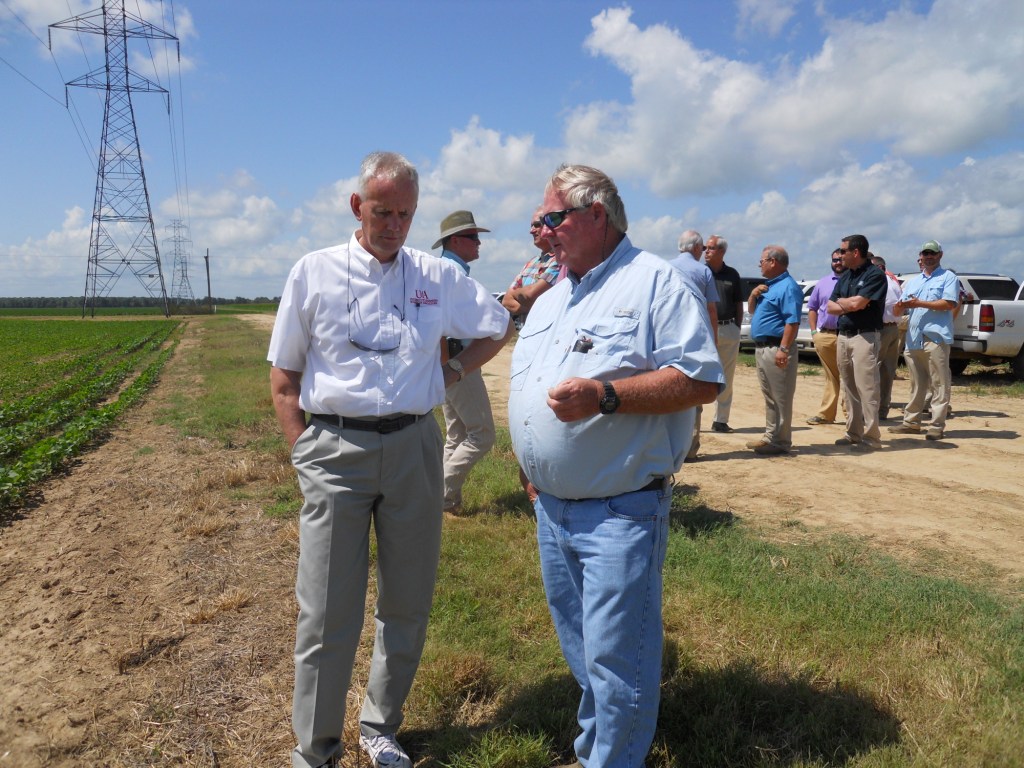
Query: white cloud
50	259
764	16
976	211
699	122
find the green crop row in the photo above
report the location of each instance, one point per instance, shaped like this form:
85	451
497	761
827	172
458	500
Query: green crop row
40	353
72	376
86	370
50	454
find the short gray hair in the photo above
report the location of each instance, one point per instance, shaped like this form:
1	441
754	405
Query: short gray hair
386	166
722	243
581	185
778	253
689	239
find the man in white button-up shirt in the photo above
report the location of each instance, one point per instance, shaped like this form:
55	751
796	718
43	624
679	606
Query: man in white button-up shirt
355	346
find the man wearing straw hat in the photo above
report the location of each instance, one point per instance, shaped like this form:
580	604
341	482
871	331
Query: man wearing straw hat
467	409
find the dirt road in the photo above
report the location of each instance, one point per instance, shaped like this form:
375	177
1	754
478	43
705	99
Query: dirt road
146	607
962	497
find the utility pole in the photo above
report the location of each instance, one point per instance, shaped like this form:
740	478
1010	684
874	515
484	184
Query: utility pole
209	293
123	237
181	250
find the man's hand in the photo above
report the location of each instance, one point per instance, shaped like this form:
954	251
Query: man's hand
575	399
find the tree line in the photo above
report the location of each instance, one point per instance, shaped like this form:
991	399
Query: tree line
52	302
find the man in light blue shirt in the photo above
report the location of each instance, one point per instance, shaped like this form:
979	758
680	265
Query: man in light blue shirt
607	370
691	247
775	307
469	423
930	299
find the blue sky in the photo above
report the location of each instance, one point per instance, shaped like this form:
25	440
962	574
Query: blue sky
764	121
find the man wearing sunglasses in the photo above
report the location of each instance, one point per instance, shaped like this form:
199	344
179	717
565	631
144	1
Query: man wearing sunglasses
691	246
467	408
729	312
355	345
537	275
605	376
824	335
858	301
930	300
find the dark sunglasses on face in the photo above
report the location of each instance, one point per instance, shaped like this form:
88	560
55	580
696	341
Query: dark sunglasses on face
536	224
471	236
554	218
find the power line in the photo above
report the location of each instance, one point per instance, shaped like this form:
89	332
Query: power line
122	237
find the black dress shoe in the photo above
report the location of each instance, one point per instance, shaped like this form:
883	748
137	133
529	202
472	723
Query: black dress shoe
720	426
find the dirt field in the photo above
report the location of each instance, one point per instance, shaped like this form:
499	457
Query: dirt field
146	608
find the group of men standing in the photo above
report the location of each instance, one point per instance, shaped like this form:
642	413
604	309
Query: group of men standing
607	380
853	313
601	418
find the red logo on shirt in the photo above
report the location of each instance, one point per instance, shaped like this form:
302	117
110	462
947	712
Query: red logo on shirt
422	298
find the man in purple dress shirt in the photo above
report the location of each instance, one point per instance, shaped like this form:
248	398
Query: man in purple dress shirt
823	334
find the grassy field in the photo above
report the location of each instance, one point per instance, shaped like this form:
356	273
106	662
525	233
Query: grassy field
818	654
821	653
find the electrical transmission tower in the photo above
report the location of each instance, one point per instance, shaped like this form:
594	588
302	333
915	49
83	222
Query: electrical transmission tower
181	250
123	237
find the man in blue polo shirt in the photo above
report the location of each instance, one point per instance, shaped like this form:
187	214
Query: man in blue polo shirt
929	299
605	376
775	308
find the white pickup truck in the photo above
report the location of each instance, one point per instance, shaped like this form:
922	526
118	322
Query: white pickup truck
990	324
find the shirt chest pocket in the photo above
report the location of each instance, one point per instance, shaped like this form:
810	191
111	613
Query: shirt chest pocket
424	324
531	337
602	345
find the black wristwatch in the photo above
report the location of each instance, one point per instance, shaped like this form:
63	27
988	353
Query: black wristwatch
610	402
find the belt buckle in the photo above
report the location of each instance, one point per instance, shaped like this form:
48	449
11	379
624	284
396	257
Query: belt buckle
387	426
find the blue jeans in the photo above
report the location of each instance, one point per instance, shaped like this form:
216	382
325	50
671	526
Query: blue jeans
601	560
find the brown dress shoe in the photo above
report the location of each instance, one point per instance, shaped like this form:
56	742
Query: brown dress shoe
770	449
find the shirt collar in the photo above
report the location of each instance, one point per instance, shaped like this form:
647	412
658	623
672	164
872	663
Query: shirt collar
364	263
446	254
778	277
591	278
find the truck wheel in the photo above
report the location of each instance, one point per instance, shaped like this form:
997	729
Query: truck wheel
957	366
1017	366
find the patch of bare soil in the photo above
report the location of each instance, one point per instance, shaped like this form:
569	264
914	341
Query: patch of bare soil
146	602
146	607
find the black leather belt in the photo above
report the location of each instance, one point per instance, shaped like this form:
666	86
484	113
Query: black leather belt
828	330
857	332
768	341
657	484
383	426
730	321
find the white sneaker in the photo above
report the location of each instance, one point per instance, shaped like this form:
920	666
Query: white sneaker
385	751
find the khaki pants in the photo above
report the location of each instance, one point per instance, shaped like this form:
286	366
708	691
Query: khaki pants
778	385
470	425
825	345
858	371
728	352
888	359
349	479
929	373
